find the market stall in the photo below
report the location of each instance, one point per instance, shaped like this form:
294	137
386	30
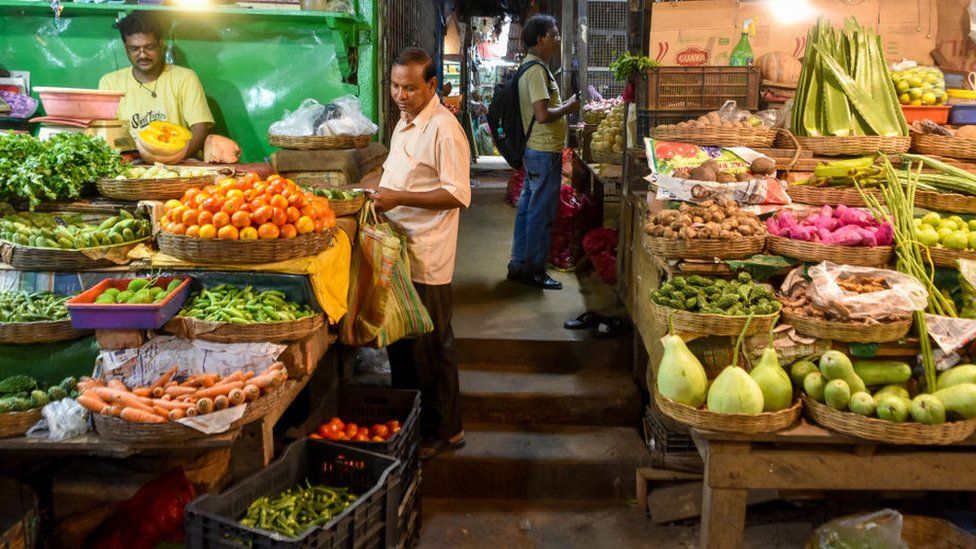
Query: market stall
801	280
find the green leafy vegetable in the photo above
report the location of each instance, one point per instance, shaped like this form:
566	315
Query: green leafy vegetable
627	65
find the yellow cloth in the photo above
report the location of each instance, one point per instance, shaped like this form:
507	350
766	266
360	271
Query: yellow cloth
537	84
328	273
179	98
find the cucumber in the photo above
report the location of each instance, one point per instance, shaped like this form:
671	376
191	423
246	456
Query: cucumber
882	372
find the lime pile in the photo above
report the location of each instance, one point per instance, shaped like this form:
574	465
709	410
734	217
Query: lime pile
953	232
920	86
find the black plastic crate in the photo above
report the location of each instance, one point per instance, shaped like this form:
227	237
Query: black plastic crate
409	514
669	448
212	519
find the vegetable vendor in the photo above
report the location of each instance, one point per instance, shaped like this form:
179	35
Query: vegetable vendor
154	89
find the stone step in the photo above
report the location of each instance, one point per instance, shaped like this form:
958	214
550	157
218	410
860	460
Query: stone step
608	397
539	462
552	355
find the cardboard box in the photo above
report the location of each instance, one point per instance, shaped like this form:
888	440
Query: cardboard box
952	36
301	357
705	33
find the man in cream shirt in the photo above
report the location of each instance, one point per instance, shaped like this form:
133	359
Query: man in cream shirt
425	184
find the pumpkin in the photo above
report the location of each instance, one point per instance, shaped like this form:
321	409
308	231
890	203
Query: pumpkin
154	155
164	138
220	150
779	68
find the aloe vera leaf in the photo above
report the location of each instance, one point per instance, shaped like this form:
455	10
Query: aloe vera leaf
796	118
813	101
836	110
892	95
860	99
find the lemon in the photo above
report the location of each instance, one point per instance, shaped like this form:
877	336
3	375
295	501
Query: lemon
904	99
928	98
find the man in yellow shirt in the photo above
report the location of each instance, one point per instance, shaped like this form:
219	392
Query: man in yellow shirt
155	90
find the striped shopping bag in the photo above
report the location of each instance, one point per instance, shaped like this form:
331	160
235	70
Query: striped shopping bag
383	304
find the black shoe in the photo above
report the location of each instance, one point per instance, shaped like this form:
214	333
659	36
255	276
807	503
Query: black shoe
585	321
542	280
514	275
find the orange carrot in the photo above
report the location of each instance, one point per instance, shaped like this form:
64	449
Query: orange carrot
142	391
157	392
190	412
235	396
220	389
111	411
251	392
136	415
249	374
122	398
92	402
266	381
236	376
172	405
117	384
221	402
177	414
165	378
166	397
89	382
178	391
204	406
160	411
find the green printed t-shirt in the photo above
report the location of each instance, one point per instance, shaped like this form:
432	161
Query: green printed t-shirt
537	84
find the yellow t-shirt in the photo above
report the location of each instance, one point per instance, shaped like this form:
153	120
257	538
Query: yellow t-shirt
537	84
179	98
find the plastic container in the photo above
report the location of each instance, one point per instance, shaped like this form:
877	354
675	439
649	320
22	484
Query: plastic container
212	519
88	315
963	114
79	102
914	113
961	97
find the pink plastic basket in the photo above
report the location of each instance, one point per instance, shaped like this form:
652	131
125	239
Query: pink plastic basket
80	103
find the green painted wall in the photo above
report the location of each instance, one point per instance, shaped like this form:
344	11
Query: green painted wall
254	65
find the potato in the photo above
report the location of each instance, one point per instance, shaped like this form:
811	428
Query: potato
763	166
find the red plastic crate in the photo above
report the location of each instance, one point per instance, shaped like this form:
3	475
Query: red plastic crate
88	315
937	114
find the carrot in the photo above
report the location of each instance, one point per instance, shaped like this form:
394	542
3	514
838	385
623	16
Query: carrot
190	412
221	402
142	391
111	411
160	411
166	397
165	378
92	402
236	376
177	414
178	391
235	396
249	374
266	381
172	405
251	392
123	398
87	383
117	384
220	389
139	416
157	392
205	406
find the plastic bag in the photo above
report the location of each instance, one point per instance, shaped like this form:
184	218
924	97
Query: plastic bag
152	516
904	295
918	85
303	121
344	117
65	419
879	530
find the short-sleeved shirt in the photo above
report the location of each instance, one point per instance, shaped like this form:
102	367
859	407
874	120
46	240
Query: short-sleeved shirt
536	84
429	153
179	98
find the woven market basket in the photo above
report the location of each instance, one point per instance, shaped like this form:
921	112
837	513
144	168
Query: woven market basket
150	189
719	137
945	202
888	432
28	258
851	332
941	145
39	332
347	207
815	252
260	407
225	332
719	325
15	424
921	532
199	250
943	257
605	157
319	142
765	422
673	248
171	432
818	196
855	145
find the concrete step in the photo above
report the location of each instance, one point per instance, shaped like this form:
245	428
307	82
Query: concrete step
551	355
539	462
608	397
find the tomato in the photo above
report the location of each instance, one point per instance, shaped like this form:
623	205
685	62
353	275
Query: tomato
176	214
293	213
241	219
164	221
189	217
268	231
221	219
304	225
228	232
193	231
288	231
380	430
275	187
351	429
377	439
363	431
249	195
324	431
315	436
204	217
338	422
278	201
329	218
361	438
178	228
232	205
249	233
260	189
190	193
262	214
200	198
211	204
208	231
278	216
251	177
297	200
319	225
171	203
235	193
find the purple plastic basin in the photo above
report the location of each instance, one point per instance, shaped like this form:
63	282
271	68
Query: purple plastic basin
88	315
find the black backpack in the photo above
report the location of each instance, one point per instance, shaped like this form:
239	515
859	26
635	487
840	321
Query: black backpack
505	119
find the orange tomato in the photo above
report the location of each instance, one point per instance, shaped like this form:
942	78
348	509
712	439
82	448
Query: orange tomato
241	220
329	218
221	219
232	205
360	437
275	187
319	225
278	201
393	424
235	193
228	232
262	214
304	225
249	194
189	217
279	217
200	198
193	230
176	214
204	218
245	208
377	439
293	214
249	233
172	203
297	200
227	184
288	231
338	422
258	202
351	429
315	436
380	430
268	231
211	204
251	177
208	231
178	228
164	221
260	189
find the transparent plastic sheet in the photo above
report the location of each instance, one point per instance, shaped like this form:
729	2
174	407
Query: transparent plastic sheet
878	530
730	112
63	420
904	295
340	117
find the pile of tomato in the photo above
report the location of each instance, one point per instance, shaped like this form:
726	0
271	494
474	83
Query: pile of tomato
248	208
336	429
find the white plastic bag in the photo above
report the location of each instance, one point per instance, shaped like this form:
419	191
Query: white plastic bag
65	419
904	295
344	117
303	121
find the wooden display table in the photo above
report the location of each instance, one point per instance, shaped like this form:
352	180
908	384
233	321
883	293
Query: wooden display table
808	457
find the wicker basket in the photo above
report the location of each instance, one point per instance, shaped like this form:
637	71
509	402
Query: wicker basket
673	248
941	145
347	207
923	532
39	332
888	432
719	325
719	137
605	157
854	145
262	406
15	424
819	196
319	142
851	332
946	202
150	189
765	422
225	332
815	252
171	432
28	258
943	257
236	252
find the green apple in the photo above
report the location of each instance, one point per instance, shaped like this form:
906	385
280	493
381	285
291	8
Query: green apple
917	221
944	232
959	221
928	236
972	224
972	240
950	223
956	241
932	218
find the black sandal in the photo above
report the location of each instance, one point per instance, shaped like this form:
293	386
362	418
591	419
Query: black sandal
585	321
610	327
440	446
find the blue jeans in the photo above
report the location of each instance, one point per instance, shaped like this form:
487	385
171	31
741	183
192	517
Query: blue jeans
536	211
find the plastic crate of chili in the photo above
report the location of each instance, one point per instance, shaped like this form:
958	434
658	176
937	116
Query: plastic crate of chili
701	88
212	520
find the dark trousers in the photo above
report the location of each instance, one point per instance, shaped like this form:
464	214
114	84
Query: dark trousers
428	363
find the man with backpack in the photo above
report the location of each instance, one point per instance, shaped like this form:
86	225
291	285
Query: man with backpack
543	122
